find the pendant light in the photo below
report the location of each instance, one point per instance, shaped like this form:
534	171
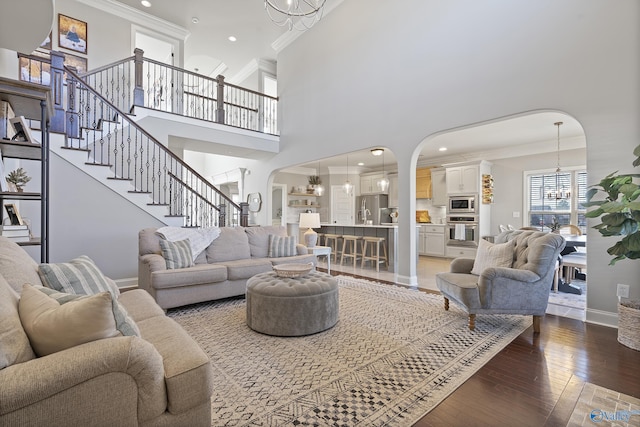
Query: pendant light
319	189
383	183
347	186
558	193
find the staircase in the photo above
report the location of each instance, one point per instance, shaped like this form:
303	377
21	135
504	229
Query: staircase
102	138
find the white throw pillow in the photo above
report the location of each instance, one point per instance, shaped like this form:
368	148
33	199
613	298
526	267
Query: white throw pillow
493	255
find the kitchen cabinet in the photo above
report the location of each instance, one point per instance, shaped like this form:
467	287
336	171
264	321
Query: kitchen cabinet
431	240
423	183
460	252
369	183
463	179
439	187
393	190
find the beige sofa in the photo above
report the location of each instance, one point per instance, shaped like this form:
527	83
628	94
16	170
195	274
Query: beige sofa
162	378
220	271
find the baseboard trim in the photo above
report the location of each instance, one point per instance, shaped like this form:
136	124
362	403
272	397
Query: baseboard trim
603	318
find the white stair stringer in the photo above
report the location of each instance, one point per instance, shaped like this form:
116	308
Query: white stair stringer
78	158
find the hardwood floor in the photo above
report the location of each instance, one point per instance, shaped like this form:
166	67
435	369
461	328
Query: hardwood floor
536	379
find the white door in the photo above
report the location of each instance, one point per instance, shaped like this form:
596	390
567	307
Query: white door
342	206
279	204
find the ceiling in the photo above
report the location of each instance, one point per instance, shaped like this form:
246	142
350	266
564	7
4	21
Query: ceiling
207	48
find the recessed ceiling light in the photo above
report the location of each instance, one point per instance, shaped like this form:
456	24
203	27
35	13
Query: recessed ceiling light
360	164
232	38
195	20
145	3
442	149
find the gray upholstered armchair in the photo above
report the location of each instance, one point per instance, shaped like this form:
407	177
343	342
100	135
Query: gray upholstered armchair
522	288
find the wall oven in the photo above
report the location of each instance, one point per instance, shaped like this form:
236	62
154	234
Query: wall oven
462	204
462	231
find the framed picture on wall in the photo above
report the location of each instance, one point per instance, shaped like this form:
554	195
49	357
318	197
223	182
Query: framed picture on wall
72	33
76	61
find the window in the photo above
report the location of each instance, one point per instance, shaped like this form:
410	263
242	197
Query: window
561	195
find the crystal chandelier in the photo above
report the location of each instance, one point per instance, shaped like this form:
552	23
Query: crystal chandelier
298	14
560	192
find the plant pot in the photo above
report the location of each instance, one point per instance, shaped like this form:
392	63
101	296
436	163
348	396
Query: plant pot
629	324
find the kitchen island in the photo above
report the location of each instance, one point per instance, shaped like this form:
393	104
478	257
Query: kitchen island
389	232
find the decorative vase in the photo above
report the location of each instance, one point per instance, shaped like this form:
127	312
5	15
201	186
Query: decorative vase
629	324
19	189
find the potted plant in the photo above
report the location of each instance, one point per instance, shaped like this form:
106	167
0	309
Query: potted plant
619	213
314	180
19	178
555	225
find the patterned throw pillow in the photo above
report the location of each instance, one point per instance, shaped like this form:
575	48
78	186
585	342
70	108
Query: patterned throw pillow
80	276
124	323
177	254
281	246
493	255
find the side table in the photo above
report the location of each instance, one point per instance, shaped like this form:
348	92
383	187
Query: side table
322	251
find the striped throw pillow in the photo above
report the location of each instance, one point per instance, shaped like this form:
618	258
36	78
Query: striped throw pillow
80	276
176	254
124	323
281	246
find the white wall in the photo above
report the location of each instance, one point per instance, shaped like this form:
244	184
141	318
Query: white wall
397	76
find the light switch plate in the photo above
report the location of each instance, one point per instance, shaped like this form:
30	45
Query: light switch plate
623	291
516	214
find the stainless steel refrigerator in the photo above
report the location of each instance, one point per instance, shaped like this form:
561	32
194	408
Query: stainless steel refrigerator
373	208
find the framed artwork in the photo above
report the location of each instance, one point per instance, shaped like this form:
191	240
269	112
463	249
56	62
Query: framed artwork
72	33
33	70
23	131
14	216
46	44
76	61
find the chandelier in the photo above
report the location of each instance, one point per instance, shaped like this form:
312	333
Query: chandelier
560	192
298	14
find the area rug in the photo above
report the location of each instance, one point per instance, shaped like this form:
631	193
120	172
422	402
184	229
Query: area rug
571	300
599	406
393	356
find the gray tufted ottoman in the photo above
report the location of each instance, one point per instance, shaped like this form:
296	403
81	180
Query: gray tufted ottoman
292	307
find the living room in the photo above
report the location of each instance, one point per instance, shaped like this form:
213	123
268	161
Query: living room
524	57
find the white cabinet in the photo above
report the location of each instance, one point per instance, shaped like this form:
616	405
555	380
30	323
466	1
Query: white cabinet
393	190
431	240
463	179
460	252
439	187
369	183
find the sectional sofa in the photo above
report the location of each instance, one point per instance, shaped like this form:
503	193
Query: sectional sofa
221	270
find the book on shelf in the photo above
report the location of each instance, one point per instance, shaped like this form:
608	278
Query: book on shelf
15	233
20	239
14	227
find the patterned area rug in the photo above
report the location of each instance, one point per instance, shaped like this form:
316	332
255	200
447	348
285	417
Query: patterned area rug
392	357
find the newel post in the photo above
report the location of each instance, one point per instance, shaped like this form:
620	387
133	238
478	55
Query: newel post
56	122
138	91
244	214
222	215
220	100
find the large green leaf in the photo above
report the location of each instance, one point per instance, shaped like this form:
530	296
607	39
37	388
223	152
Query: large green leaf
594	213
614	219
632	241
613	206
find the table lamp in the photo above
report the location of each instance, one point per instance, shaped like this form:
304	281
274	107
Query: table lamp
310	221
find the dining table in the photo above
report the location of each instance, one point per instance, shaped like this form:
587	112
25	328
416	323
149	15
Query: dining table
575	240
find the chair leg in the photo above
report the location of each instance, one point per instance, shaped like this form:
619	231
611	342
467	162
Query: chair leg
536	324
472	322
446	304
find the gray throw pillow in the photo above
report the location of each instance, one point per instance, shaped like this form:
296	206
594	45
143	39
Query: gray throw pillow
282	246
80	276
177	254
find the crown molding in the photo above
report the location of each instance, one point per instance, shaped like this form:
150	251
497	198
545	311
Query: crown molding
138	17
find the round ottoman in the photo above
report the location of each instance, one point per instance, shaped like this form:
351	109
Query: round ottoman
290	307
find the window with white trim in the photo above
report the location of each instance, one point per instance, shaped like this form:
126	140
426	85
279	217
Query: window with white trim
561	195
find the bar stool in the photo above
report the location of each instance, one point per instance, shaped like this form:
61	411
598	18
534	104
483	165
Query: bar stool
350	248
332	241
369	243
320	239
